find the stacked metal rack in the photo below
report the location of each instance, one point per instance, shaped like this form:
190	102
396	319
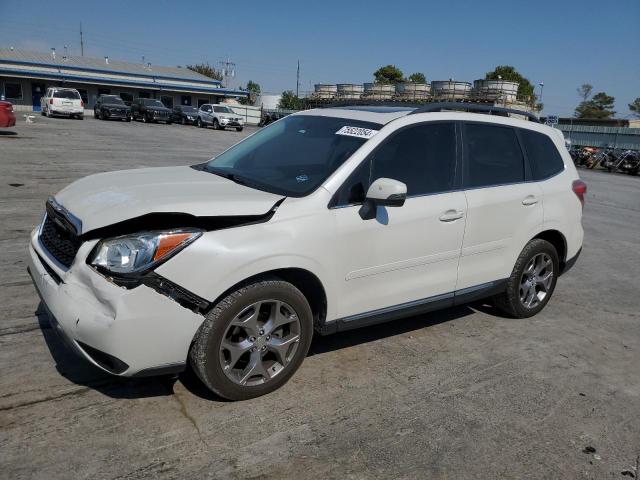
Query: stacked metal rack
497	92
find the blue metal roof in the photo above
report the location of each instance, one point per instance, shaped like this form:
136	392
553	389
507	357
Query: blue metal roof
114	72
64	77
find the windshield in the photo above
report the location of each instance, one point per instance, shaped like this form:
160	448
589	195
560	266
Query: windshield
222	109
294	155
113	99
189	109
69	94
152	103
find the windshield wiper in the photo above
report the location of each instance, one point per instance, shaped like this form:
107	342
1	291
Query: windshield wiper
233	177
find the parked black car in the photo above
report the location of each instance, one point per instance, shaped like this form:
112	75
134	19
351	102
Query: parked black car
184	114
111	107
150	110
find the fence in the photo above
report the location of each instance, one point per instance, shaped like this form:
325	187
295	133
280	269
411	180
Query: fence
594	136
250	113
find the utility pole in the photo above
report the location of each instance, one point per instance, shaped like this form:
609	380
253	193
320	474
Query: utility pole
81	42
228	69
298	80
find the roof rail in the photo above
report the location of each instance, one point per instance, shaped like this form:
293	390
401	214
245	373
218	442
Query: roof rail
372	103
475	107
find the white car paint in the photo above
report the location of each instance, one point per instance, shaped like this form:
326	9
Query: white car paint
433	245
107	198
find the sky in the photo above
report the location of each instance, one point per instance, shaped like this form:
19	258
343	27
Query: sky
562	44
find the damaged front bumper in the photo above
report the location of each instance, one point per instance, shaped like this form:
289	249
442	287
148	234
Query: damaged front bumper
127	332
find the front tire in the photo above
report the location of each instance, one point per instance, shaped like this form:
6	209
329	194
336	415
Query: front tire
253	340
532	280
216	124
238	129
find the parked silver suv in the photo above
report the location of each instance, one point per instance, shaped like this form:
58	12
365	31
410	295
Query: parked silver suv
219	117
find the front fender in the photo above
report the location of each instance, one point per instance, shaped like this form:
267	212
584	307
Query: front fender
221	259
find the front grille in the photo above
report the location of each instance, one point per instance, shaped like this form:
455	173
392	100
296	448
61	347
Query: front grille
61	243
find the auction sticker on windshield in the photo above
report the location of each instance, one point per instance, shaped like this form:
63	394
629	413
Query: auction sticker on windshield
358	132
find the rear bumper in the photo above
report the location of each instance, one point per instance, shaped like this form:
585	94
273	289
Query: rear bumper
8	120
134	332
56	111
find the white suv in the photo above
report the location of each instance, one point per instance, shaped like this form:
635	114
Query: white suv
62	101
323	221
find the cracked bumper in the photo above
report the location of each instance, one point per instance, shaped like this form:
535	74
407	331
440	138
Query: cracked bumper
146	331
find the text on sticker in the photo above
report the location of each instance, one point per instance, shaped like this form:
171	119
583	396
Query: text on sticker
356	132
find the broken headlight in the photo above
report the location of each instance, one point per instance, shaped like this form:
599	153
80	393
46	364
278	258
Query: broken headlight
142	251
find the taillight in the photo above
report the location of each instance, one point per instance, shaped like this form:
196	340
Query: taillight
579	188
82	103
51	101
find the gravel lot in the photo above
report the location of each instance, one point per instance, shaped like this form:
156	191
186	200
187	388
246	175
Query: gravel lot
460	393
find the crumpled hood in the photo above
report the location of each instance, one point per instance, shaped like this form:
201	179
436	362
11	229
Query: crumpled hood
107	198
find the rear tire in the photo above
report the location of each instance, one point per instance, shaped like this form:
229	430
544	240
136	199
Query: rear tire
251	367
199	123
239	129
527	290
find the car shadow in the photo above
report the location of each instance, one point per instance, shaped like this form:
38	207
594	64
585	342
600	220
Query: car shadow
80	372
8	133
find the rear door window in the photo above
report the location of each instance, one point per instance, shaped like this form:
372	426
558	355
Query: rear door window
492	156
542	153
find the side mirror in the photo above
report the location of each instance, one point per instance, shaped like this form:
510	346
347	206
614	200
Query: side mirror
384	192
387	192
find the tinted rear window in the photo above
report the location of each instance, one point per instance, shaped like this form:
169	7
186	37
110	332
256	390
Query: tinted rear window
492	156
68	94
542	153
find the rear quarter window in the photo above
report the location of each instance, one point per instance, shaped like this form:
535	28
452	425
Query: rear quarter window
542	153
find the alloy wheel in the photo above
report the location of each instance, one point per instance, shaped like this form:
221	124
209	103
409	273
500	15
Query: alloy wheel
260	342
536	280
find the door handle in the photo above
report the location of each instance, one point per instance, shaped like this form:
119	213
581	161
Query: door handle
451	215
530	200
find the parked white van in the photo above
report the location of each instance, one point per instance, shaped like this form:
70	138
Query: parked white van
324	221
62	101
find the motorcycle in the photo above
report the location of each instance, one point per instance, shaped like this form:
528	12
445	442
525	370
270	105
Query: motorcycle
629	162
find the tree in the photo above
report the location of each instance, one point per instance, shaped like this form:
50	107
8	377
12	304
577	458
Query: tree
635	107
600	106
584	91
509	73
417	78
289	101
389	74
254	92
206	70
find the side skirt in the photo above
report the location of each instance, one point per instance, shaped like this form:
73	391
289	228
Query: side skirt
417	307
